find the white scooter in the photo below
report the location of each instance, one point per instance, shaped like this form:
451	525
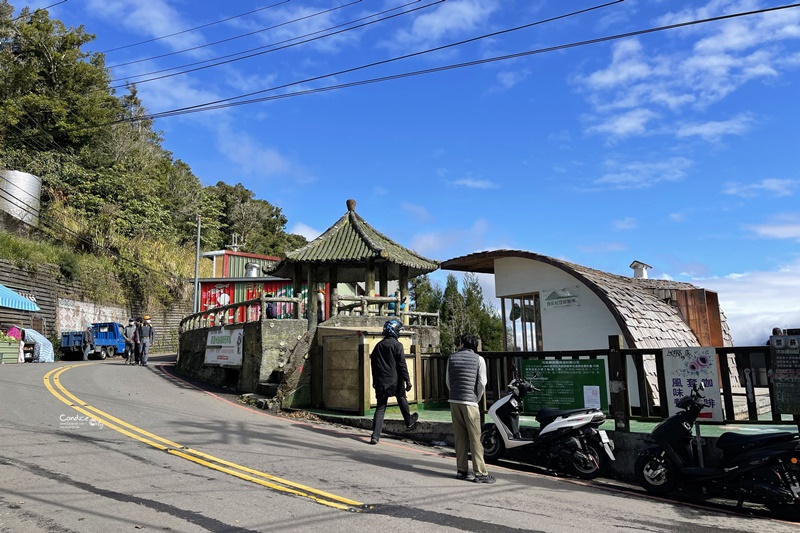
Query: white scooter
566	441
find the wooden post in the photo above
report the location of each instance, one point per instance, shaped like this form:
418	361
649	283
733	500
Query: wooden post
297	289
403	282
618	384
369	281
333	279
311	301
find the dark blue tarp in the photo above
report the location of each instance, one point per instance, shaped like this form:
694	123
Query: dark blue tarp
11	299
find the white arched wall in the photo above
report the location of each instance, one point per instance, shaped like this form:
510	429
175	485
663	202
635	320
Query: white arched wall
582	326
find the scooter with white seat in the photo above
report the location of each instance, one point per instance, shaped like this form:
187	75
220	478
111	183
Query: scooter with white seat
566	441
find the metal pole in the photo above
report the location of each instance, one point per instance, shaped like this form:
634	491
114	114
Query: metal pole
196	302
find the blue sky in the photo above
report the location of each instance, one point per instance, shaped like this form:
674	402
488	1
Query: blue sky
676	148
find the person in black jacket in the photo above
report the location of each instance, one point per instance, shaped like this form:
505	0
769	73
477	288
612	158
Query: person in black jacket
390	378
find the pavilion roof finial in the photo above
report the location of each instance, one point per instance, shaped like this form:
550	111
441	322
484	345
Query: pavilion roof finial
351	205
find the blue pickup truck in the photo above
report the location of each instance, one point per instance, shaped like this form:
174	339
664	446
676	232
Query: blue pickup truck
108	341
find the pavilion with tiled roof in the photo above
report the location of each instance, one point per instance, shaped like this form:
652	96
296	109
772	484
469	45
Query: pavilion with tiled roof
352	251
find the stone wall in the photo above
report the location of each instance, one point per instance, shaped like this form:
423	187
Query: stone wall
265	350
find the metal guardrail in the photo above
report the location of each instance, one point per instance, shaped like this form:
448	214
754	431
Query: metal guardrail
237	313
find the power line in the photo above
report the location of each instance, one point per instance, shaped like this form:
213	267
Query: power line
192	29
406	56
236	36
39	9
226	102
379	13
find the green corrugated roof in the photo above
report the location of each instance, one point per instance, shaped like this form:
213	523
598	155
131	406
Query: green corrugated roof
347	245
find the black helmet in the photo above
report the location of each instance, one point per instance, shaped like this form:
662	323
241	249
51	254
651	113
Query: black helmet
392	328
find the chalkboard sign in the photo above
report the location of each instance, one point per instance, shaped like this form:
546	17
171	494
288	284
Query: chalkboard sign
786	373
566	384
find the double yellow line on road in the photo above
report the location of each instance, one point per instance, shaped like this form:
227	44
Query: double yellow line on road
51	381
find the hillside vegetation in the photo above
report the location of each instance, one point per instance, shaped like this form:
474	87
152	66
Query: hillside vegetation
115	203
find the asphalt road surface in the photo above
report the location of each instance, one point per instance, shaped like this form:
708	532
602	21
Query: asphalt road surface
104	447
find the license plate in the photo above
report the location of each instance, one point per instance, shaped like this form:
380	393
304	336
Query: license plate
603	436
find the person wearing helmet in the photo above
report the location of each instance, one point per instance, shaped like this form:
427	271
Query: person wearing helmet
147	335
390	378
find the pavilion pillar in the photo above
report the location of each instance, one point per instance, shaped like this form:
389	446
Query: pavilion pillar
403	282
383	285
311	298
297	288
333	278
369	281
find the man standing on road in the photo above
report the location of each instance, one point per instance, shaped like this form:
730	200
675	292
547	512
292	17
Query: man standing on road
466	381
130	342
390	378
87	343
147	335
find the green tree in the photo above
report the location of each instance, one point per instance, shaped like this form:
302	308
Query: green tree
426	295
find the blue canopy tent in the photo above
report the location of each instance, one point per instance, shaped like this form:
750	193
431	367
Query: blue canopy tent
11	299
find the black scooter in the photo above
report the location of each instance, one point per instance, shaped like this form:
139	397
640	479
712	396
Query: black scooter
757	468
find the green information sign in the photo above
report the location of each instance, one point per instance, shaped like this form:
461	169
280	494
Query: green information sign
566	384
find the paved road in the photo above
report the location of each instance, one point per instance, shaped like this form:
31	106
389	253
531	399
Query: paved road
103	447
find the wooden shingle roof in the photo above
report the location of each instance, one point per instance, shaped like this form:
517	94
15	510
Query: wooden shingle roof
642	307
347	245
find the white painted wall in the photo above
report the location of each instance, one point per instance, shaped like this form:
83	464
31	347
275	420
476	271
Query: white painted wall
582	326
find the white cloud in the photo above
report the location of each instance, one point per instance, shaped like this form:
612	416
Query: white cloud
631	123
472	183
678	217
508	79
624	224
755	302
305	230
416	212
670	82
642	174
713	130
603	247
149	18
770	187
444	244
784	226
455	17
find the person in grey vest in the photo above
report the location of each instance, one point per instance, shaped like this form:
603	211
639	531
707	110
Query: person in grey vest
131	341
390	378
466	381
87	342
147	335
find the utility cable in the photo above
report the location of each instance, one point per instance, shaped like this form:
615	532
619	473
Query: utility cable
192	29
235	36
38	9
226	102
397	58
129	79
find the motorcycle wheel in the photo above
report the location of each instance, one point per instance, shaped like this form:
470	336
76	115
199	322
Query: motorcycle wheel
657	475
493	446
594	467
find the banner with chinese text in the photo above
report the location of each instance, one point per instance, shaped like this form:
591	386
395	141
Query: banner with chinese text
686	367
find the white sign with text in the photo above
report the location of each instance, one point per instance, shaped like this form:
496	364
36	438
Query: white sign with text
224	346
686	367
